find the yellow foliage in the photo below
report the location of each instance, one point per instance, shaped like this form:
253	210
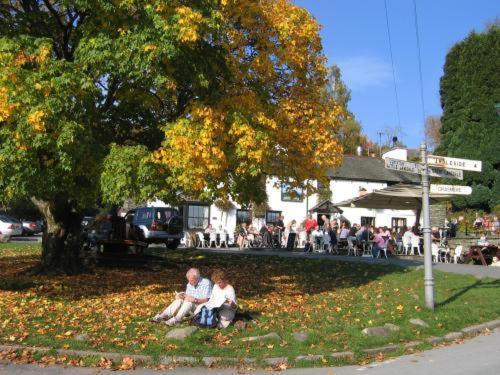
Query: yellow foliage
36	119
189	21
6	108
294	138
149	47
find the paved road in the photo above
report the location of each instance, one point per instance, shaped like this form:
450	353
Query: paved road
478	271
36	238
480	355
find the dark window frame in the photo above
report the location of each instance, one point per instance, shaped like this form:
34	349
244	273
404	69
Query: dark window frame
396	228
285	197
273	212
249	219
205	219
370	221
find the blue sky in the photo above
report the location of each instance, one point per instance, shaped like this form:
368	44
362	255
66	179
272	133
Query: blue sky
355	38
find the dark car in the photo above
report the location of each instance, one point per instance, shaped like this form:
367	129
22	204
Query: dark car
30	228
155	225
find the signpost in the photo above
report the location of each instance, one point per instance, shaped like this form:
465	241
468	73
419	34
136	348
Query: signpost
402	165
454	163
455	174
451	189
434	166
407	166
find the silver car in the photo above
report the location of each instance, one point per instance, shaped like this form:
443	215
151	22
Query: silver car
10	226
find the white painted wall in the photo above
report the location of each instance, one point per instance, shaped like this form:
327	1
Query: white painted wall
347	189
396	153
341	191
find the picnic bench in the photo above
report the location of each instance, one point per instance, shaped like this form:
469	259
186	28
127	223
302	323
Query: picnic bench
480	254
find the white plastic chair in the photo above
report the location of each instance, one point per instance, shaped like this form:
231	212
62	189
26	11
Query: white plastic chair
384	249
351	249
302	238
202	240
458	253
326	242
213	239
435	253
223	239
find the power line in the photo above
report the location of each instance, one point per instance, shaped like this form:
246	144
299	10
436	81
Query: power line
392	64
420	68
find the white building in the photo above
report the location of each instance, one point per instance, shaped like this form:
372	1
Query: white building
357	175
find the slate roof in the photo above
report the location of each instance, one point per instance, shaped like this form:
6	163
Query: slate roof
365	168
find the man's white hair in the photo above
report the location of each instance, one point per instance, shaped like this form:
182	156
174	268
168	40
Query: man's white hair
194	272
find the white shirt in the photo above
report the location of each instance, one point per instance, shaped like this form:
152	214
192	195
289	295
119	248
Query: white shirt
316	233
407	236
219	296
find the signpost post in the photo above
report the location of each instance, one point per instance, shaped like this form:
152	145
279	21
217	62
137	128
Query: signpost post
434	166
426	229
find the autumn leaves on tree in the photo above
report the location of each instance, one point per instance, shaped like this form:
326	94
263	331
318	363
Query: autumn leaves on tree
151	98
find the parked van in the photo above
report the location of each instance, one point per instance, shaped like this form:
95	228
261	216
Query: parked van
155	225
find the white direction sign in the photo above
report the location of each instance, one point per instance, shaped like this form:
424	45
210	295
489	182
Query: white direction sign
456	174
407	166
454	163
402	165
451	189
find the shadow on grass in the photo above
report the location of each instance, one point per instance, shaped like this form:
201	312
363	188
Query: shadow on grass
252	276
478	284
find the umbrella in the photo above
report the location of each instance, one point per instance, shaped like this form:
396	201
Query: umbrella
398	197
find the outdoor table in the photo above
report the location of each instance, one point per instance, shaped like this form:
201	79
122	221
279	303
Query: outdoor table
482	253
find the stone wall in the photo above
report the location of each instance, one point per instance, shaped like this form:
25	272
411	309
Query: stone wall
467	241
438	215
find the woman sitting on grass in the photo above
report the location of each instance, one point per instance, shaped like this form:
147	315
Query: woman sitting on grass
222	298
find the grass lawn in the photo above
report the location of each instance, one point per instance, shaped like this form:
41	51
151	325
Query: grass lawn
332	301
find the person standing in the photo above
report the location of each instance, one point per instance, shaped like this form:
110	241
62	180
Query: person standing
280	227
292	234
309	225
326	223
379	243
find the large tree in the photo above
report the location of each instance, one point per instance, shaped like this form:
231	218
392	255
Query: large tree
349	131
154	98
470	89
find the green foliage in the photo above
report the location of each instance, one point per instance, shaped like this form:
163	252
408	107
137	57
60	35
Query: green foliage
123	173
470	88
349	131
79	75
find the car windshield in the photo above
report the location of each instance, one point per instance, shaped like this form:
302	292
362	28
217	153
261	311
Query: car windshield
9	219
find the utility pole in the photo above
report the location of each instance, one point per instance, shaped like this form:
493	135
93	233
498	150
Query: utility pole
380	143
426	229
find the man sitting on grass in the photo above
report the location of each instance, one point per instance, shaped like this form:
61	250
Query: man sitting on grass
198	290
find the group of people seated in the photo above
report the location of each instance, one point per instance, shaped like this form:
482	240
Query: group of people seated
269	235
201	292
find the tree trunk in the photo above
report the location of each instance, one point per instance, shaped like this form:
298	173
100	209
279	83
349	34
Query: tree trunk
61	241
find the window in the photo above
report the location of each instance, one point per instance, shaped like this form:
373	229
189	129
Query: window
243	216
145	214
198	216
368	220
272	217
397	223
289	194
164	213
